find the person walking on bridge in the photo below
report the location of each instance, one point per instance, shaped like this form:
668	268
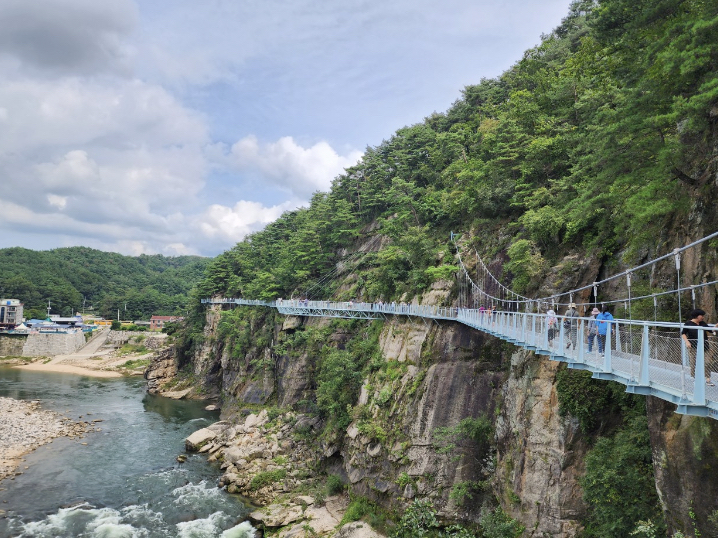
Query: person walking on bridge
571	326
551	325
604	320
592	328
690	337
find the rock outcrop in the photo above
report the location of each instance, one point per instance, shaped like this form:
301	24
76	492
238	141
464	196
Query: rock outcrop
434	376
540	454
685	454
161	371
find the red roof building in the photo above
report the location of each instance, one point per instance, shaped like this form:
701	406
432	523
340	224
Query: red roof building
158	322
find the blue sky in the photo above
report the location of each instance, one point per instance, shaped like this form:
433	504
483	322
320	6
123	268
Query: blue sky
177	127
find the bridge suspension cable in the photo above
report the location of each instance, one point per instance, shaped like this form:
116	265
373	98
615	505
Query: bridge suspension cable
517	299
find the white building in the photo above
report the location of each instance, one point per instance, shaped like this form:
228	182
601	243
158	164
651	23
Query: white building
10	313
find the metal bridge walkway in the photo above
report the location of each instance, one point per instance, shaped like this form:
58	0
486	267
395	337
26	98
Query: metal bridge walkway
649	358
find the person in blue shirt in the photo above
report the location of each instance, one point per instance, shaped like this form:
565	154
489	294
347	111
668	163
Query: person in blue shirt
605	323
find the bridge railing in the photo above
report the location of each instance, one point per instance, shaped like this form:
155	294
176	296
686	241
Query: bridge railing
648	357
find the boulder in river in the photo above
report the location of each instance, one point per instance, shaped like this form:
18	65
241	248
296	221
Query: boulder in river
198	439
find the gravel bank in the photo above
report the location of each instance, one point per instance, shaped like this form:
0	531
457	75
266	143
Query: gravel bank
24	426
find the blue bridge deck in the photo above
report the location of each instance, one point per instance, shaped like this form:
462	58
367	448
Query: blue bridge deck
649	358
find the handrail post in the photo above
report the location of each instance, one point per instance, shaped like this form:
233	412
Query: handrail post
684	361
544	323
581	343
643	373
699	384
533	330
607	349
517	325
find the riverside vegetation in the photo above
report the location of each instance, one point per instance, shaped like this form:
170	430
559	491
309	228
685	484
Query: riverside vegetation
595	151
139	286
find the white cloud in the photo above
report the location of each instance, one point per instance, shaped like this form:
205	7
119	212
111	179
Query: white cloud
232	224
68	36
110	146
58	201
105	112
290	166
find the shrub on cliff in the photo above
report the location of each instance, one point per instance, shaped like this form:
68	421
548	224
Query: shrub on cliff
619	486
338	382
419	521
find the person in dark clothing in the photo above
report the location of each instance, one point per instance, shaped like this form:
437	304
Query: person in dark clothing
690	337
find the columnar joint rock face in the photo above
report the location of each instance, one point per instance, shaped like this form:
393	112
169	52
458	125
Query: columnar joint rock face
540	453
42	345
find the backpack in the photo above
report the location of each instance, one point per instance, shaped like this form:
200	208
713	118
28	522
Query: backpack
567	324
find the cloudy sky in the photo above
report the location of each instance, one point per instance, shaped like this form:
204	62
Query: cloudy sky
177	126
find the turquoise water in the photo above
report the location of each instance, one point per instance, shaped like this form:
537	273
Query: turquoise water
125	482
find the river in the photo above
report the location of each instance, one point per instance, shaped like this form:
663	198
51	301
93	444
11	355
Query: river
123	481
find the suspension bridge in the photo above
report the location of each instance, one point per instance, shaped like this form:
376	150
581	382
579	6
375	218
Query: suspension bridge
649	357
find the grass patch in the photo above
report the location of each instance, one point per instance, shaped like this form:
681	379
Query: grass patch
266	478
12	358
133	349
136	363
335	486
358	508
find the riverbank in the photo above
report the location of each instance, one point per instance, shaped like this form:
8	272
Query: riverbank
24	426
88	370
108	354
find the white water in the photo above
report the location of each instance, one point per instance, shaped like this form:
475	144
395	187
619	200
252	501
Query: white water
125	482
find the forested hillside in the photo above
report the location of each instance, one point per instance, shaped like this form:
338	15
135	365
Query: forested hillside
599	139
599	144
102	282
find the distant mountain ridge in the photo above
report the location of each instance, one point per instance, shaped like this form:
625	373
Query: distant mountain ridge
139	286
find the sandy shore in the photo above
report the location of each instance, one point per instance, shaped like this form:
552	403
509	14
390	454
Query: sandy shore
94	360
24	426
68	369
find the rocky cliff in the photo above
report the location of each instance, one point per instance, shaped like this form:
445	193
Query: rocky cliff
444	413
432	377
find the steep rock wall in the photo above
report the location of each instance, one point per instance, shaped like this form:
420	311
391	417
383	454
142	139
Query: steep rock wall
540	455
685	454
464	384
452	372
161	371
